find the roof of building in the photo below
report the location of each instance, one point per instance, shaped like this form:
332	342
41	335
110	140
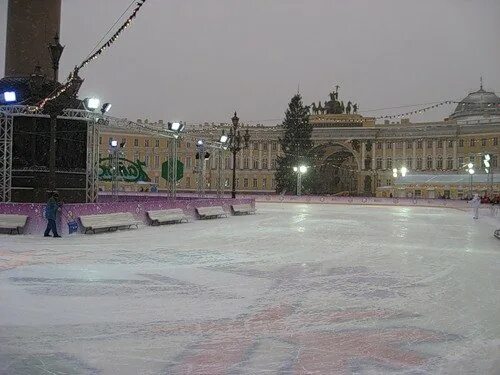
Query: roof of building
478	103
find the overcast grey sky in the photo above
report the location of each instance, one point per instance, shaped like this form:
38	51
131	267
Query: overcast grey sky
199	60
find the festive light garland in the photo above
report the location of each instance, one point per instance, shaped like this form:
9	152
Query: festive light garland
417	111
72	76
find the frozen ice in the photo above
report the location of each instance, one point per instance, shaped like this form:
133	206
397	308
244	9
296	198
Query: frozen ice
294	289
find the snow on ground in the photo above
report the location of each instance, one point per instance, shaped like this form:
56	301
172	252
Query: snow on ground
294	289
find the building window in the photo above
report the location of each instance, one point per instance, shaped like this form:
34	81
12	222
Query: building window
495	141
156	180
237	182
409	163
264	163
188	145
419	164
246	163
439	162
136	142
494	161
273	183
188	162
419	144
429	144
472	159
157	143
274	146
146	160
389	163
379	163
254	183
264	146
245	182
255	164
429	162
255	145
226	163
440	144
450	144
460	161
472	142
100	140
388	182
389	145
137	157
188	181
399	145
483	142
273	163
157	161
146	143
409	144
460	143
449	163
264	183
379	145
418	193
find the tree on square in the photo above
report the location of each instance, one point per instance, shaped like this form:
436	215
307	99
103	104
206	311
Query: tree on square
297	148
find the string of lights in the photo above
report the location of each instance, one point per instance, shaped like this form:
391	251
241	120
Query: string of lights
73	76
417	111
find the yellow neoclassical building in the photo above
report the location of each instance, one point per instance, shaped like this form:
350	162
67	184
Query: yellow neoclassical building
358	155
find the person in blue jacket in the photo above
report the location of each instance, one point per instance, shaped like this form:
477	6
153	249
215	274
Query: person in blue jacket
53	206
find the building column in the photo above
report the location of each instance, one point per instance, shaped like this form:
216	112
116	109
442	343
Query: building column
414	155
384	155
250	153
404	154
434	144
363	152
424	154
269	156
260	155
445	160
374	165
455	159
394	156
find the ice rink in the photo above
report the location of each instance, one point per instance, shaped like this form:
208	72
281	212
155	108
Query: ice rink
294	289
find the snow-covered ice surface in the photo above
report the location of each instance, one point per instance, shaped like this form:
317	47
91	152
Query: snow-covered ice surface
294	289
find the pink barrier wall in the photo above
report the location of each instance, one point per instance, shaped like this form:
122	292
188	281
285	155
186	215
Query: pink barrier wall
36	222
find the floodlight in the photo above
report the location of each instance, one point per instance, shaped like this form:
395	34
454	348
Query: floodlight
486	163
295	169
223	138
105	108
487	170
470	165
394	170
9	96
471	171
394	175
303	169
487	157
175	126
113	143
92	103
200	142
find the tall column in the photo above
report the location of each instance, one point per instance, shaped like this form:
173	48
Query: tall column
394	156
250	162
455	159
363	156
404	153
269	156
424	155
260	155
434	144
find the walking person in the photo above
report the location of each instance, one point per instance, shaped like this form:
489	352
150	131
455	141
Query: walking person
475	203
53	206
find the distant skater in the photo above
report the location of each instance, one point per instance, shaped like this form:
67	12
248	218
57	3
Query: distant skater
53	206
475	203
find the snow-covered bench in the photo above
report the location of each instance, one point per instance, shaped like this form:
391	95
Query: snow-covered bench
174	215
243	209
210	212
497	234
110	222
13	222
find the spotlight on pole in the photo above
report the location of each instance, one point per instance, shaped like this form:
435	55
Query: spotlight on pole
295	169
404	171
302	169
113	143
471	171
223	138
486	162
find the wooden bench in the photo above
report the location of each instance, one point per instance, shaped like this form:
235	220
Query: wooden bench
243	209
112	221
174	215
210	212
13	222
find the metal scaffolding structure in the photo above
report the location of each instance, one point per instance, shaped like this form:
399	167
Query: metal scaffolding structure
6	130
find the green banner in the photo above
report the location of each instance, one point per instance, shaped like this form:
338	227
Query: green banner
128	170
166	170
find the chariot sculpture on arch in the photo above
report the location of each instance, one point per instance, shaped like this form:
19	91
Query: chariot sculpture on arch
334	106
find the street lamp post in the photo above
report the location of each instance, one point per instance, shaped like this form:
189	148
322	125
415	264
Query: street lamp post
470	169
235	146
300	170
